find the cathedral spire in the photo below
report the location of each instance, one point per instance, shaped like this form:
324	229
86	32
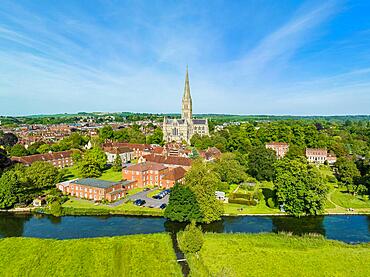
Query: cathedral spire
187	109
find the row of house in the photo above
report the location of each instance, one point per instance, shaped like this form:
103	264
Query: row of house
314	155
58	159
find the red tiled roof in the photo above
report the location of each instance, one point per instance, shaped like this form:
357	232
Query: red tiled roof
129	145
175	174
117	149
43	157
167	160
141	167
274	143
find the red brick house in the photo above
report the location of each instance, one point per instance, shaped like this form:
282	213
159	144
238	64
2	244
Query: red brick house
58	159
174	175
168	161
211	154
281	148
95	189
137	148
146	173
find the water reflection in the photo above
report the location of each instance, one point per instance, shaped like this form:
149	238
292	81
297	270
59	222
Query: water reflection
350	229
298	226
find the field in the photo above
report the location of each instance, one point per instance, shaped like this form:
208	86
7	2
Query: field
136	255
108	175
278	255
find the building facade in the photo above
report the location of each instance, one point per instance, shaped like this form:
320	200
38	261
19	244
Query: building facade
319	156
281	148
58	159
95	189
144	174
179	130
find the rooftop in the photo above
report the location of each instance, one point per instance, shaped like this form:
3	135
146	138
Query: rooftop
96	183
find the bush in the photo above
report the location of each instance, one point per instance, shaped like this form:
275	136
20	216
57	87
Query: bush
252	202
191	240
56	208
271	203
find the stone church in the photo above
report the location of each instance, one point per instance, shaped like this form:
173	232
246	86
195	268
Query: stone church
183	129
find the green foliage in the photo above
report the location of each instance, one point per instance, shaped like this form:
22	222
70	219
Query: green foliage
300	188
106	133
271	203
156	137
4	159
8	139
18	150
117	163
261	163
182	206
42	175
10	184
203	181
191	240
347	173
93	163
229	169
56	208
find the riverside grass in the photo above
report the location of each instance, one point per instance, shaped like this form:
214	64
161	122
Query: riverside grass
278	255
134	255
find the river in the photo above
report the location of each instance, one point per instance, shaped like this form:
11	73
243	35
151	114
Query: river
350	229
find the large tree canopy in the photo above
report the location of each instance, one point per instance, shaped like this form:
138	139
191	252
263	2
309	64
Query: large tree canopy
300	187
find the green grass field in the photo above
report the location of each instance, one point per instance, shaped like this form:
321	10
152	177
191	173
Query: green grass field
136	255
278	255
108	175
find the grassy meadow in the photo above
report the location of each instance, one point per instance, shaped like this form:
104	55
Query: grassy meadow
278	255
136	255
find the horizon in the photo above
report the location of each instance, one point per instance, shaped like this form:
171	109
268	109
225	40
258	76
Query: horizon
254	58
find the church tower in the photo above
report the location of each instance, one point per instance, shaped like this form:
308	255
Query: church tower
187	105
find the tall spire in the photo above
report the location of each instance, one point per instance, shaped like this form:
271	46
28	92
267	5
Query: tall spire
187	109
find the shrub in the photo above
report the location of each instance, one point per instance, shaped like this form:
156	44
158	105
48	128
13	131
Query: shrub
271	203
56	208
191	240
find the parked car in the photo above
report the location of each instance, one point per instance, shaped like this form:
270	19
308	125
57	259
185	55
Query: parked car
151	206
146	189
139	202
163	206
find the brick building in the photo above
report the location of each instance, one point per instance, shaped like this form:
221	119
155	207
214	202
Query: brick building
137	148
168	161
126	153
95	189
281	148
57	159
146	173
172	176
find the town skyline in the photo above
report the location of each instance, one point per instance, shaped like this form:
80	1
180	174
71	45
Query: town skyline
295	58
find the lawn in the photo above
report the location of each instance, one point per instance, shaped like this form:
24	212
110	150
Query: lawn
108	175
260	208
347	200
278	255
135	255
82	206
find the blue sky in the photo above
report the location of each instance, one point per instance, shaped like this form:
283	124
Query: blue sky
244	57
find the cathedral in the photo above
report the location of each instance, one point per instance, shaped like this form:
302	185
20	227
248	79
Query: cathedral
179	130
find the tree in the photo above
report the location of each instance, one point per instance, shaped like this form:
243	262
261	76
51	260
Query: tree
4	159
229	169
42	175
33	148
93	163
44	148
9	187
299	187
347	172
156	137
295	152
261	163
203	181
18	150
191	239
182	205
117	164
106	133
8	139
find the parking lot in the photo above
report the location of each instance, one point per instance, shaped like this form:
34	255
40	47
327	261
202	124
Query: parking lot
149	200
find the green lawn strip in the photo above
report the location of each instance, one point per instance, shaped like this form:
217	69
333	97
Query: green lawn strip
260	208
347	200
76	206
111	175
278	255
135	255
